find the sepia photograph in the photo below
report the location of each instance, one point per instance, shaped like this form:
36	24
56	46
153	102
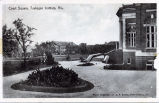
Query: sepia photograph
79	50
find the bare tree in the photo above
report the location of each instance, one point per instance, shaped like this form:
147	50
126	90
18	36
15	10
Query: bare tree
23	34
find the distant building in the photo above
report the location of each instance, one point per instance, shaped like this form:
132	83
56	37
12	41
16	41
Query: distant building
61	47
138	34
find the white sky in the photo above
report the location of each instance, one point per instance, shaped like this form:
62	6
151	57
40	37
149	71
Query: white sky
86	23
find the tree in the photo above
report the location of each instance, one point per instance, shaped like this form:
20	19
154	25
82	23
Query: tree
83	48
68	48
49	46
23	34
38	50
10	45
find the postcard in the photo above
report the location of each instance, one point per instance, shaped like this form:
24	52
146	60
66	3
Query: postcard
79	50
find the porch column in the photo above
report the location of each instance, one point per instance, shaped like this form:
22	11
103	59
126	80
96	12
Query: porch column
124	34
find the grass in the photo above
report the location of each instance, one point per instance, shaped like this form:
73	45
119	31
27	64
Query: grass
15	67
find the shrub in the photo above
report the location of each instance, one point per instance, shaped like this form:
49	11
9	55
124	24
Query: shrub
120	67
113	67
107	67
11	67
81	59
17	66
50	59
68	57
56	77
34	61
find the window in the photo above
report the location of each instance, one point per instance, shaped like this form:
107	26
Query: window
129	61
150	36
131	39
152	16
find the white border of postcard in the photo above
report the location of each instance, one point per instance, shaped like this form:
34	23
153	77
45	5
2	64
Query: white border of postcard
20	100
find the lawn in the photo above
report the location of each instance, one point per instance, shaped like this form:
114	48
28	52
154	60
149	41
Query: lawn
11	67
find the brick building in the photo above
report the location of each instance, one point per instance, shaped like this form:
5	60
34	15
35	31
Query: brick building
138	34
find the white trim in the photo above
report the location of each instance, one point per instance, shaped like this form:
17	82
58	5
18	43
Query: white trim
132	32
150	48
149	24
131	23
129	50
124	34
128	15
140	53
150	10
120	31
131	8
125	16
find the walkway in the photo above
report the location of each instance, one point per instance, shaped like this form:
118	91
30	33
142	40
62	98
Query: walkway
108	83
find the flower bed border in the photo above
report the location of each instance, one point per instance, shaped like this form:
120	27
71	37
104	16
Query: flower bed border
81	88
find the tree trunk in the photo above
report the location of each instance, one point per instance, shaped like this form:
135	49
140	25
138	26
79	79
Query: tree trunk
24	59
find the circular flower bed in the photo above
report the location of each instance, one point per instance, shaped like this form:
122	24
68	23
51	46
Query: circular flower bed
86	64
56	79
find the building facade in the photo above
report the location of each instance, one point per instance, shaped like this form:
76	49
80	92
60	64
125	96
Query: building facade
62	47
138	34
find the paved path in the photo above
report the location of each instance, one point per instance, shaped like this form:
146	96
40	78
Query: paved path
108	83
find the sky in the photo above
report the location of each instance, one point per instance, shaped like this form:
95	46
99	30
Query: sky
78	23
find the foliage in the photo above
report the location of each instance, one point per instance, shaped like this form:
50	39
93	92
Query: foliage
108	66
55	77
10	45
44	47
34	61
102	48
38	50
68	57
83	48
50	59
68	48
81	59
71	49
23	34
119	67
17	66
